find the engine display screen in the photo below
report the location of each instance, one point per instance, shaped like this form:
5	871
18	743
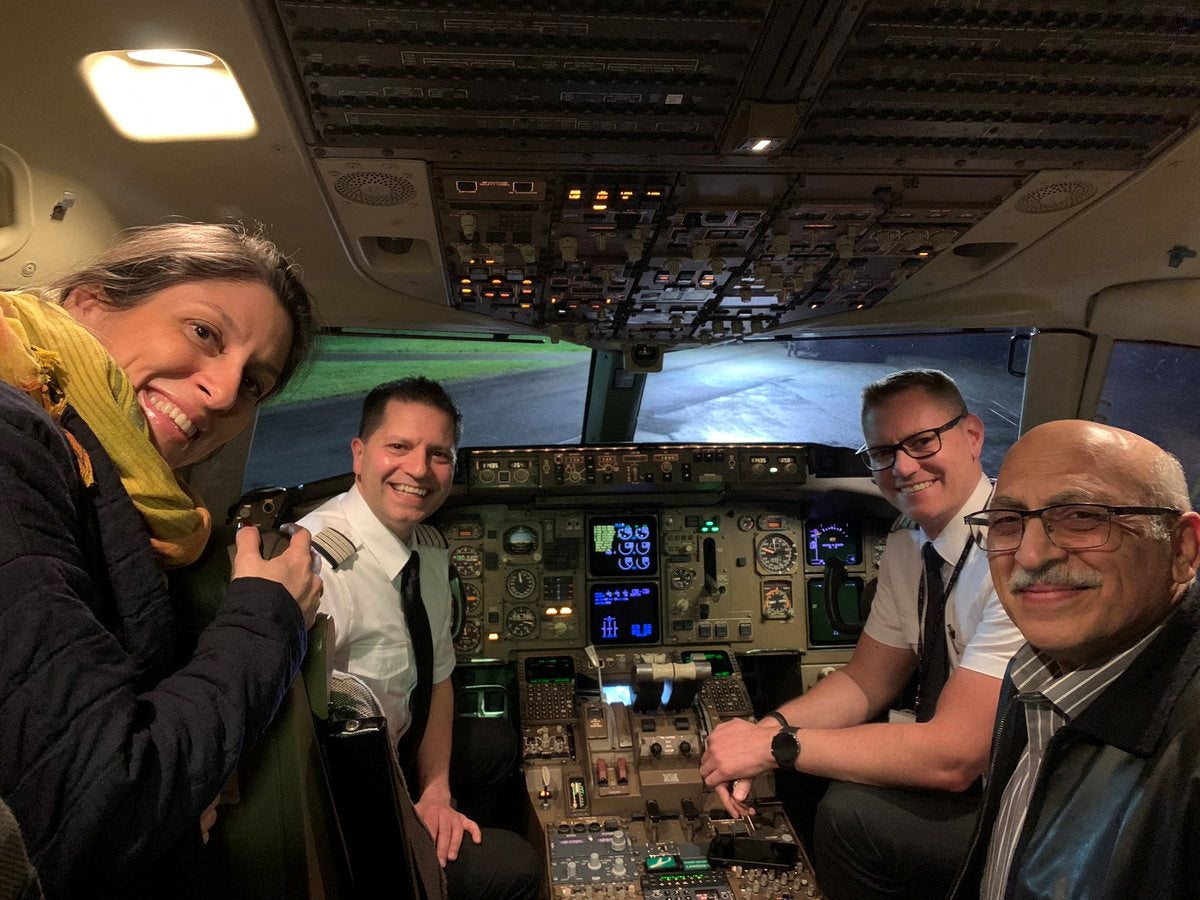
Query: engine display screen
825	540
623	613
622	545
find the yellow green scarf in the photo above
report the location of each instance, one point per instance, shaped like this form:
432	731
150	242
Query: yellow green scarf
47	354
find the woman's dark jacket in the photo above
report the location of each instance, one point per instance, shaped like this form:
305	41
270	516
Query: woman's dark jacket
109	751
1116	809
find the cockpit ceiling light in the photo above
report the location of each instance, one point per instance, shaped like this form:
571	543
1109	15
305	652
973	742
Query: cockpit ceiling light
168	95
760	145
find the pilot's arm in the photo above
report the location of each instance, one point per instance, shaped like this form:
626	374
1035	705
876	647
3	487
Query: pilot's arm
445	823
948	753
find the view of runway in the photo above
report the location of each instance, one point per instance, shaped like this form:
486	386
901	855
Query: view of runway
746	392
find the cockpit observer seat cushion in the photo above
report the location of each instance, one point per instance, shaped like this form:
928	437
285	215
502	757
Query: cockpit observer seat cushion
280	838
321	809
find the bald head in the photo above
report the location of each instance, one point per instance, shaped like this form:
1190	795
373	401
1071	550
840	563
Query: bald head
1100	452
1128	564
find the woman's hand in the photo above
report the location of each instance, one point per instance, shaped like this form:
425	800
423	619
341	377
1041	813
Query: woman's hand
297	568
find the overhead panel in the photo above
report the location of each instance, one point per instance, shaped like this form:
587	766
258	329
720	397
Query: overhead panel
704	170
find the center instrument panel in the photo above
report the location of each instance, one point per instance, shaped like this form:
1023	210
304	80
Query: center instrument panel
661	546
623	583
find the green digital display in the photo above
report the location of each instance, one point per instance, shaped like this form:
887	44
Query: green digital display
663	862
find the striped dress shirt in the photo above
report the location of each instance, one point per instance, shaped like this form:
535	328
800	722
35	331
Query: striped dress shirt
1051	698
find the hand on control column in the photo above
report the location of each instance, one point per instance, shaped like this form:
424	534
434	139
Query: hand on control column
445	824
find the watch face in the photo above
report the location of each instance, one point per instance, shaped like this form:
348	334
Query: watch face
785	748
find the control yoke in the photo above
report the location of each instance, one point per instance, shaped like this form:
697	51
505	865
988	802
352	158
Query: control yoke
835	577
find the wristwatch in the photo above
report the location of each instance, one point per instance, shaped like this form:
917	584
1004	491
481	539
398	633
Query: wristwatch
785	748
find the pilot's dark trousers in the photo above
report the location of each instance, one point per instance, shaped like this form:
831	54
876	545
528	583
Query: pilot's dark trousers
871	843
482	779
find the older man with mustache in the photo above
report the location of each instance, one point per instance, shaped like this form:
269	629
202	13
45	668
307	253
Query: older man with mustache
1094	785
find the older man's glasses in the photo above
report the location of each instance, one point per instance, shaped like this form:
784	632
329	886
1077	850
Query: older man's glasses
1069	526
921	445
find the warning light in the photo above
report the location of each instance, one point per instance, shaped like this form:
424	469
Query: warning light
601	194
599	207
575	194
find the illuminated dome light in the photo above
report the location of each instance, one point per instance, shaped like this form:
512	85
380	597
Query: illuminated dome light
168	95
171	57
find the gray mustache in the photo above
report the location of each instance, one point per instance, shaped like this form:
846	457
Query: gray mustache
1056	574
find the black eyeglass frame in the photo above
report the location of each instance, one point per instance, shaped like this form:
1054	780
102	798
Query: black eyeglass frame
863	452
978	521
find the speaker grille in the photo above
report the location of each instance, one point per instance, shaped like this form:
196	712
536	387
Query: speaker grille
375	188
1056	197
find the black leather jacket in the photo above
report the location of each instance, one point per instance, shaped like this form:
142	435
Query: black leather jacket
1115	812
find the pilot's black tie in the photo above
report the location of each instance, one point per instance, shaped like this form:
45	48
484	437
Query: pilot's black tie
933	668
421	640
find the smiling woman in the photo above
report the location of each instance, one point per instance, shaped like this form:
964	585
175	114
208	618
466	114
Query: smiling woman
200	356
158	353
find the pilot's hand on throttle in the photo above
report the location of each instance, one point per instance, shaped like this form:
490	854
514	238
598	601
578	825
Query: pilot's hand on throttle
735	797
737	751
296	568
446	826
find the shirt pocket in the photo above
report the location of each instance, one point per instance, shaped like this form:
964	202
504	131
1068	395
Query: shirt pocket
382	660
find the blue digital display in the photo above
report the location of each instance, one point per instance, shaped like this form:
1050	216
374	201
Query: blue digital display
622	545
623	613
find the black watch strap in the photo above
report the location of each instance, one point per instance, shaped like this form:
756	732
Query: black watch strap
778	717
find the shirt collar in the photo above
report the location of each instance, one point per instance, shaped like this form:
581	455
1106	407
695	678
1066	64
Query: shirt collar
372	536
1070	692
949	544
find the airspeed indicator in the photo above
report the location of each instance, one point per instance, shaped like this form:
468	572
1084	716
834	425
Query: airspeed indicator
775	554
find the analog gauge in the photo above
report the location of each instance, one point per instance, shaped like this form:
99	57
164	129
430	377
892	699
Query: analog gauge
681	579
521	622
468	640
776	554
520	540
468	561
472	598
745	523
777	600
521	583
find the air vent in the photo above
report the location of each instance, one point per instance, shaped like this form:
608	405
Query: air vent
1056	197
375	188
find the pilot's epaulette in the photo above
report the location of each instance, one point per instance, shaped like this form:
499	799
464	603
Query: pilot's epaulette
902	522
428	536
334	546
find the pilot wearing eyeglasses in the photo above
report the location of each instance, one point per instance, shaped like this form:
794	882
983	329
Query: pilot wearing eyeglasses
1094	787
900	796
